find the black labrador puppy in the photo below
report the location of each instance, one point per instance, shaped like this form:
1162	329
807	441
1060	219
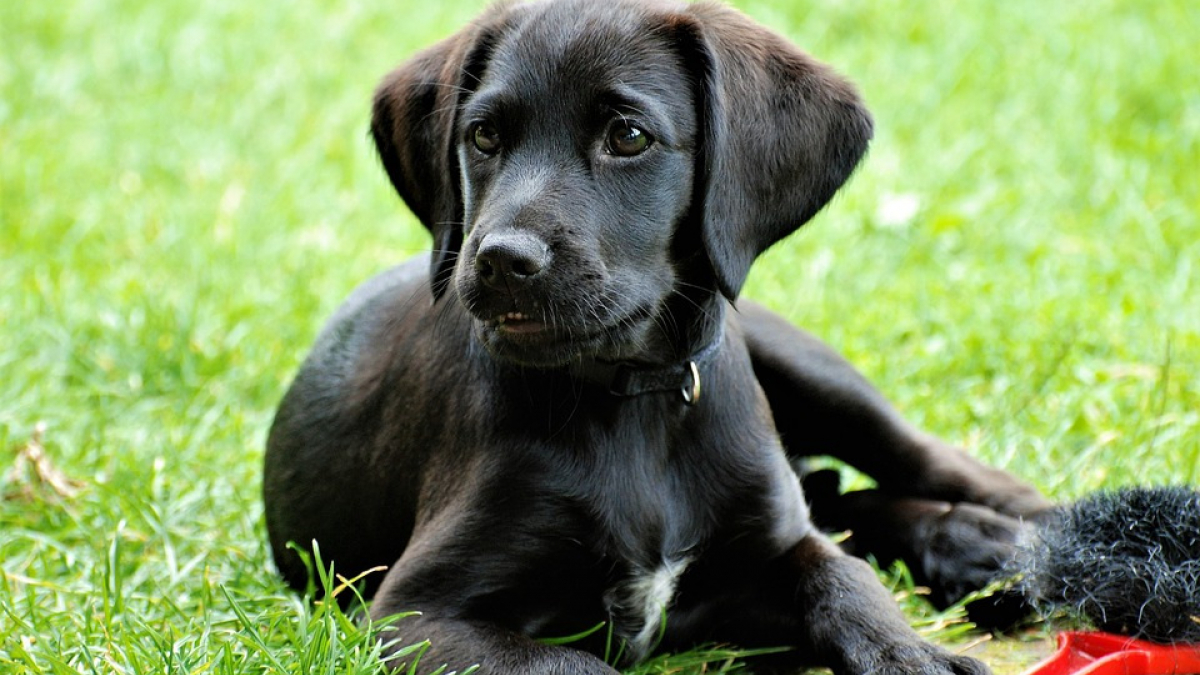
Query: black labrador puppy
562	417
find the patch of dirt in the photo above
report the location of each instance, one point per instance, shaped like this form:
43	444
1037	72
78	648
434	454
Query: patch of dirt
1011	655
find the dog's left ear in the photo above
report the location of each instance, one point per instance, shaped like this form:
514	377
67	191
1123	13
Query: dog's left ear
412	123
781	133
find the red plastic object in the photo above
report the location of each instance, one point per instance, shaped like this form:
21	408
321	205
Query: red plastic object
1095	653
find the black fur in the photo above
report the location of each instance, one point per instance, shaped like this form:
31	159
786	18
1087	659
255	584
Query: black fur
1126	562
454	422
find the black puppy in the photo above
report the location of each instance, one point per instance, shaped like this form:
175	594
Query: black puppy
561	419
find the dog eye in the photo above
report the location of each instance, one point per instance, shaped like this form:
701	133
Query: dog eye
486	138
627	140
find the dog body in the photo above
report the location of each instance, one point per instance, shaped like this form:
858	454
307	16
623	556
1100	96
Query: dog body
558	506
562	418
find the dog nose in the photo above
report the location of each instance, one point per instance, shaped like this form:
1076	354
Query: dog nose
506	257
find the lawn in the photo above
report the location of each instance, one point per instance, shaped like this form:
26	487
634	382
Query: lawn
187	190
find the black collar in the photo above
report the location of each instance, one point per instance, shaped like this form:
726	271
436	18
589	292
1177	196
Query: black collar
626	378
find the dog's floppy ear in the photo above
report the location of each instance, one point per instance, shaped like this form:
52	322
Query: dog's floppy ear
413	123
781	133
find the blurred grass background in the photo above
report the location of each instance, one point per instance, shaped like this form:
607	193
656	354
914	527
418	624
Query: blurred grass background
187	190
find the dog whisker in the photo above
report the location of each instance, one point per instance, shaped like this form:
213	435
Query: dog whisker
437	112
453	87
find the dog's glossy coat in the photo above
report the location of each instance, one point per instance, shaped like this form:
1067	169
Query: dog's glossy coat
598	178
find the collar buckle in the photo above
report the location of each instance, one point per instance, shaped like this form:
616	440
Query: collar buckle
691	392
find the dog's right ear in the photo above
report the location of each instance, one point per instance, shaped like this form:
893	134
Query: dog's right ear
781	133
413	123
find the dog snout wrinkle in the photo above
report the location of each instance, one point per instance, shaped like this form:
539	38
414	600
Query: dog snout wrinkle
510	257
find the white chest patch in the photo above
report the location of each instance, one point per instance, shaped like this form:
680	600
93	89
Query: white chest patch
638	605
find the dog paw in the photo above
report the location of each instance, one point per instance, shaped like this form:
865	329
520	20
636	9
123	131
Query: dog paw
920	659
968	546
1011	497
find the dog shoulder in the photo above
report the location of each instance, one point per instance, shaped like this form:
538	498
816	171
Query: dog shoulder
384	324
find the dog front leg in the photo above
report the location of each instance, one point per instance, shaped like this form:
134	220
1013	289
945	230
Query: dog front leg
851	623
459	644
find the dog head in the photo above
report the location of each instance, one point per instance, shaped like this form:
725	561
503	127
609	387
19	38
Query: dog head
578	162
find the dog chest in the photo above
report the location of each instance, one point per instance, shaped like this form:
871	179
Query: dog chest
638	604
660	511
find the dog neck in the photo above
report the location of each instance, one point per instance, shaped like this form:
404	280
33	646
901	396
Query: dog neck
684	375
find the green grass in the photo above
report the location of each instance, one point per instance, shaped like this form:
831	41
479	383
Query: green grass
187	191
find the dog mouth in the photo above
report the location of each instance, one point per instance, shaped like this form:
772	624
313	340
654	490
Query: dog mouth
529	339
518	324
